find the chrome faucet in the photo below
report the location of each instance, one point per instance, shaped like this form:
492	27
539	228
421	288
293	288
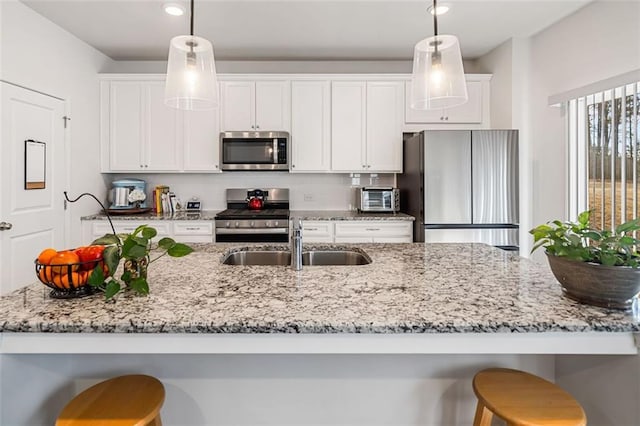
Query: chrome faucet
296	245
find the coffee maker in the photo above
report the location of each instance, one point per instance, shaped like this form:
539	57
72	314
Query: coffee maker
128	194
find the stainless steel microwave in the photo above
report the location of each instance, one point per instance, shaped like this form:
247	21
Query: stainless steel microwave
254	151
378	199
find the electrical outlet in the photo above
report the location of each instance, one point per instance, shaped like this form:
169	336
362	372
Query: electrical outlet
308	197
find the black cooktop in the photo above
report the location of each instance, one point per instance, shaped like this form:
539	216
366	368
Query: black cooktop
253	214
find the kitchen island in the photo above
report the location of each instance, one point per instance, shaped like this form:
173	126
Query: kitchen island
386	323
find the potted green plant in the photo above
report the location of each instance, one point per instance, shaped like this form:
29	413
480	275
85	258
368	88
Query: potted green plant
134	251
594	266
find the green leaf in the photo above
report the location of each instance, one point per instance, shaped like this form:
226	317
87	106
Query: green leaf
137	252
583	218
138	230
112	289
166	243
149	232
141	241
127	245
140	285
111	258
126	276
632	225
106	240
96	277
179	250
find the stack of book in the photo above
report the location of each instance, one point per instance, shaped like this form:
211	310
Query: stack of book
164	201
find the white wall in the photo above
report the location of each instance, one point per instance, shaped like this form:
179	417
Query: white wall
499	62
39	55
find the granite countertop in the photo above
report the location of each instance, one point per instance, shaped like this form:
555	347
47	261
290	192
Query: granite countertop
348	215
181	215
408	288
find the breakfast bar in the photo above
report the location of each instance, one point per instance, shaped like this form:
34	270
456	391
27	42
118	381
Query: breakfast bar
418	313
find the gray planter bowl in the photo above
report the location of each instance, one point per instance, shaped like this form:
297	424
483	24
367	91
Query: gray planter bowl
594	284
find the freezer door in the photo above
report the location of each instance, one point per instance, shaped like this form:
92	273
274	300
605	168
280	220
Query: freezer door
491	236
447	177
495	176
410	182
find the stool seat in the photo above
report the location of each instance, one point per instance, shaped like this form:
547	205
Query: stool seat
133	400
523	399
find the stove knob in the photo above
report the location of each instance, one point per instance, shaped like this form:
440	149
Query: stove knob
252	224
275	223
228	224
237	224
267	224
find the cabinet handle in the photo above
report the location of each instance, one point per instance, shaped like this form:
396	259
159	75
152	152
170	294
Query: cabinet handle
310	229
364	166
257	127
216	166
192	229
146	165
446	118
141	166
252	126
293	166
372	229
369	166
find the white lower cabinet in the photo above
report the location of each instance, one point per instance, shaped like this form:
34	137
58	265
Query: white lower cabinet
320	231
365	231
188	231
370	231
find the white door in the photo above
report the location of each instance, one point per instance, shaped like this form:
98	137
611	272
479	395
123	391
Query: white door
163	131
273	106
201	141
310	126
238	106
384	126
36	216
126	126
348	126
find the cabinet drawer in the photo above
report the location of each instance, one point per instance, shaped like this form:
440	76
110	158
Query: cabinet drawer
374	229
317	231
191	228
101	228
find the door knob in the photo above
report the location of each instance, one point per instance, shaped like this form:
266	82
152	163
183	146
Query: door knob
5	226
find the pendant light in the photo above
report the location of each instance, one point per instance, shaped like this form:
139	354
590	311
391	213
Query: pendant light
191	73
438	79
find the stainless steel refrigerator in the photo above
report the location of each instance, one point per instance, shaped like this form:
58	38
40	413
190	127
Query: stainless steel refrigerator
462	186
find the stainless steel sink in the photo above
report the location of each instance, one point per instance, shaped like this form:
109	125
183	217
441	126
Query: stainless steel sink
309	258
334	257
262	257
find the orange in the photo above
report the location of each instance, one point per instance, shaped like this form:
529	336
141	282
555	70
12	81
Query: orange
67	259
83	276
45	256
70	281
45	274
57	281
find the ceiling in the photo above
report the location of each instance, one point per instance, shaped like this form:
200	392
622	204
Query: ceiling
300	29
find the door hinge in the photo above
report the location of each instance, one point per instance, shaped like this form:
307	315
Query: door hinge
66	118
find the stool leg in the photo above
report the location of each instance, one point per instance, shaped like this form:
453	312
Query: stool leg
483	416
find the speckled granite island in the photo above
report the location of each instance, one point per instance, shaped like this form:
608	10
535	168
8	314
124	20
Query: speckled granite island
464	290
395	342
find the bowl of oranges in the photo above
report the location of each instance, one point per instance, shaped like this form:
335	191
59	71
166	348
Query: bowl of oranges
67	272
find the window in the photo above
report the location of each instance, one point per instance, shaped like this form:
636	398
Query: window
604	155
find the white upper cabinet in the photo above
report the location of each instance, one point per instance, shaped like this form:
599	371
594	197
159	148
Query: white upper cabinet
139	133
366	133
474	112
256	105
201	141
310	126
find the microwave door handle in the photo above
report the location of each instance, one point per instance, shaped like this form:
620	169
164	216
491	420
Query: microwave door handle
275	151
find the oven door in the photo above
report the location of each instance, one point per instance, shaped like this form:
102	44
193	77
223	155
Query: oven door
254	151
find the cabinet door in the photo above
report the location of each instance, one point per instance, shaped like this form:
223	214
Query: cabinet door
310	126
320	231
201	141
126	118
238	105
273	106
469	112
384	126
163	131
348	126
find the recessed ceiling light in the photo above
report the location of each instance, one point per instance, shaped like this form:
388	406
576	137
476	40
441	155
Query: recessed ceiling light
173	9
440	10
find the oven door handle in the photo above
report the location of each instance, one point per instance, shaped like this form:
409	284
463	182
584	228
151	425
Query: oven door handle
252	231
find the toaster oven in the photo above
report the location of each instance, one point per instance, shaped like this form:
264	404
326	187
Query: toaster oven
378	199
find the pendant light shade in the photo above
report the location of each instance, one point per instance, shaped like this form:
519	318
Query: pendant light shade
191	73
437	80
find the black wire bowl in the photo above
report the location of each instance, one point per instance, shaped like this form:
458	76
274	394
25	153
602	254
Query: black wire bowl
67	281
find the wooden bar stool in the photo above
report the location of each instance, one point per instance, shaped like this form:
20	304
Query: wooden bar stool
522	399
133	400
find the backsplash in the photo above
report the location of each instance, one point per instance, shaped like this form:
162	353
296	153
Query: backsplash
308	191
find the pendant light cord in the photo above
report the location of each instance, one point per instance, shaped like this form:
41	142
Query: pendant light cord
192	18
435	18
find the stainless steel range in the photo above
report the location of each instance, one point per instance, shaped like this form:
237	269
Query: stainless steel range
254	215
